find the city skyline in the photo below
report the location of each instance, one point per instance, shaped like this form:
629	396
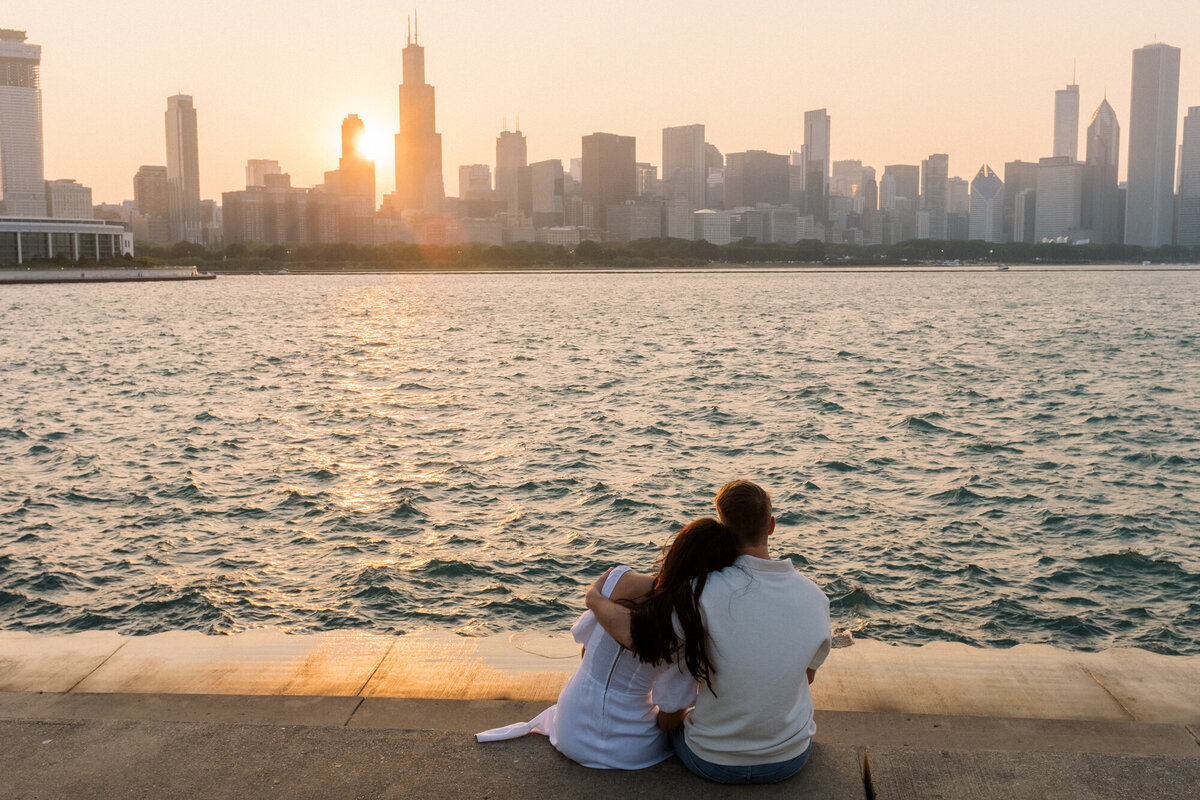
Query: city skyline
280	96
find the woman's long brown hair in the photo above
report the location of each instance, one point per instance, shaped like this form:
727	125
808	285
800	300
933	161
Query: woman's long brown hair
700	547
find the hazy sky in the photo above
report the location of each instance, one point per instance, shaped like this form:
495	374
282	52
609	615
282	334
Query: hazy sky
901	80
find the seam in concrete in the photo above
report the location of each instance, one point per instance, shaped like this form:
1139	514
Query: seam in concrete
354	711
92	671
377	666
868	784
1116	699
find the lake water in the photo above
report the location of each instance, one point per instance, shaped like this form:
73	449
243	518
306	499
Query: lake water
988	457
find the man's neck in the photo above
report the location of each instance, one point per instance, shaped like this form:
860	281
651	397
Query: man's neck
758	551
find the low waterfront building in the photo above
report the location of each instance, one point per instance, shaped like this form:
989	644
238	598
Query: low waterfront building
23	240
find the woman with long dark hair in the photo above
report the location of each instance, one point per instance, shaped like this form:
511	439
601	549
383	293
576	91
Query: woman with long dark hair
615	710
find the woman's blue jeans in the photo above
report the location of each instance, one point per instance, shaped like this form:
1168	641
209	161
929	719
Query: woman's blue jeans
723	773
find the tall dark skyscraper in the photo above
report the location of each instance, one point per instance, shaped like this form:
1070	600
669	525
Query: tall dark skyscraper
183	170
418	144
1153	120
1100	193
609	174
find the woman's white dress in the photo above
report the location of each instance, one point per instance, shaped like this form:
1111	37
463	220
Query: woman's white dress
604	717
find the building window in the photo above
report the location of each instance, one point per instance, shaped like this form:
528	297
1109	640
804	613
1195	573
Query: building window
108	246
87	247
8	248
34	246
62	246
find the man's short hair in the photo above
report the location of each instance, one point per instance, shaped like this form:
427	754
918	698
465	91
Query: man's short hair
745	508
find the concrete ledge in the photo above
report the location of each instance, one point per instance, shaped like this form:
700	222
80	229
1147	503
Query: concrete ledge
1027	681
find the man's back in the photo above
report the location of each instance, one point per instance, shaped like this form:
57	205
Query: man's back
766	625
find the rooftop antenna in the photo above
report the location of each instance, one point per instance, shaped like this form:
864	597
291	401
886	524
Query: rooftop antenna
1074	69
416	28
518	123
410	30
504	123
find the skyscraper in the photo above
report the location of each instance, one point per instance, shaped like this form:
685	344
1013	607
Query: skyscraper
511	157
755	177
608	172
22	169
1100	193
151	196
685	165
935	189
987	206
419	184
1066	122
817	165
1019	177
546	193
183	170
348	197
474	182
1188	232
1059	199
1153	117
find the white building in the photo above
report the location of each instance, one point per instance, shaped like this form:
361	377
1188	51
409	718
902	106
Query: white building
987	206
1153	118
67	199
713	226
22	177
1059	199
1066	122
30	239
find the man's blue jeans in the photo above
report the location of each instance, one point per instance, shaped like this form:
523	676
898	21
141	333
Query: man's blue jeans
722	773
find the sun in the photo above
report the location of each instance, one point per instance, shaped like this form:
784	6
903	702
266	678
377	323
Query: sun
372	145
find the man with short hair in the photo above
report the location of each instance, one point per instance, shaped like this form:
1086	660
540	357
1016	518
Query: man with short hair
768	631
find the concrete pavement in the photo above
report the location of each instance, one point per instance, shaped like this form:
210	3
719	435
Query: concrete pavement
358	715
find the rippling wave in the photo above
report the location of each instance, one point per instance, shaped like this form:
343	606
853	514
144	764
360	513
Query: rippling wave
974	457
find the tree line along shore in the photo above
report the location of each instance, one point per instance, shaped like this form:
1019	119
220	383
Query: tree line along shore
662	252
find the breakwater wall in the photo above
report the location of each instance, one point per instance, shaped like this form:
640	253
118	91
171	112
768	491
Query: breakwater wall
102	275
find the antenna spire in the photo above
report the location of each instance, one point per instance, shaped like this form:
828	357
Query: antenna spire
1074	69
518	123
409	39
416	28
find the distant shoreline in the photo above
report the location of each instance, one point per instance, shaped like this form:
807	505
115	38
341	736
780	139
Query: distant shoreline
728	269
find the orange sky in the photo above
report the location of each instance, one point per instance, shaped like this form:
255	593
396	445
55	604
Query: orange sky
274	80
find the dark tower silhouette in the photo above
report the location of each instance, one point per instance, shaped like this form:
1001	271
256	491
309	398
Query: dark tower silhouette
418	144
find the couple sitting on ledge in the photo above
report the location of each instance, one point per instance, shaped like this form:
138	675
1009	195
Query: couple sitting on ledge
710	659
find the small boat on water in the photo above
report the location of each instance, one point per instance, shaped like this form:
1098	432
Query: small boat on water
1002	266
